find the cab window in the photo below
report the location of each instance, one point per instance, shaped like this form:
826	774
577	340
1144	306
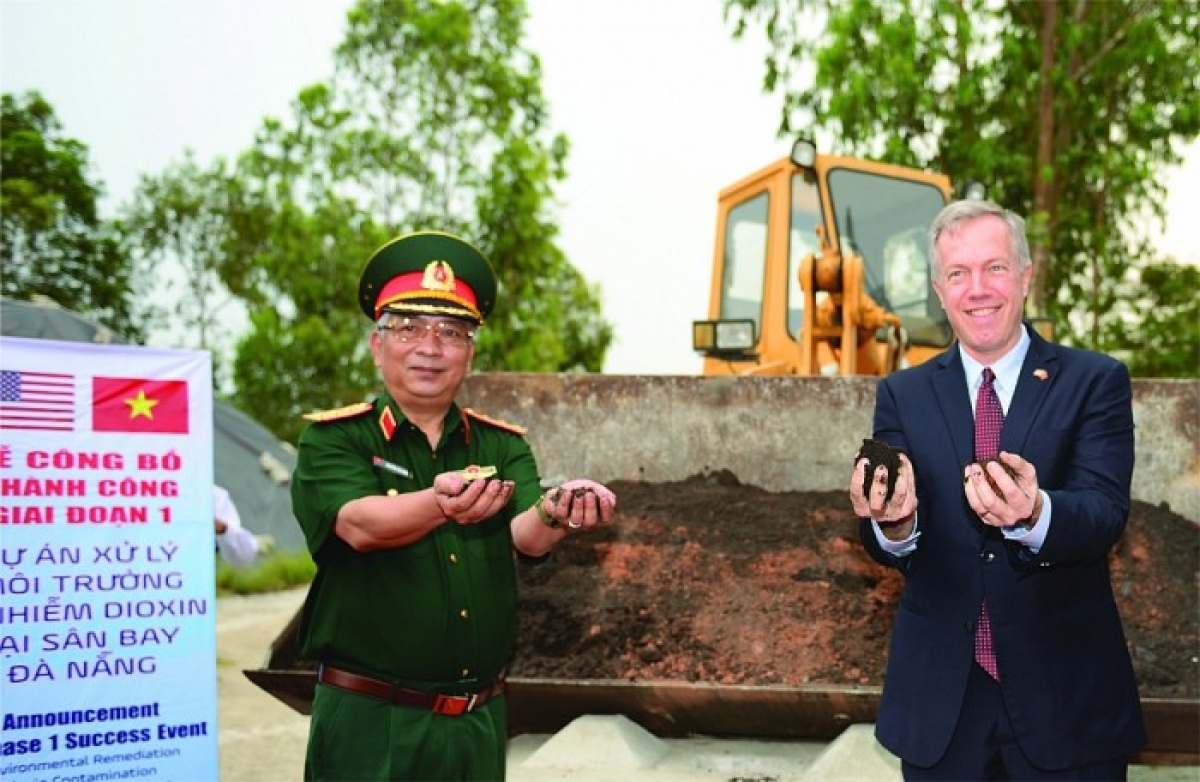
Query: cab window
885	219
745	261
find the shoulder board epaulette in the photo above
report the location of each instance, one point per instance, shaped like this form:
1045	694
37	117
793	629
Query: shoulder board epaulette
496	422
349	411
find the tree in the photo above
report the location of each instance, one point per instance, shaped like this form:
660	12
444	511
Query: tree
1069	111
177	224
434	119
1159	327
54	242
306	244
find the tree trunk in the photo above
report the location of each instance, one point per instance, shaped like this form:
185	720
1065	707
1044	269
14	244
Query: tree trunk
1043	179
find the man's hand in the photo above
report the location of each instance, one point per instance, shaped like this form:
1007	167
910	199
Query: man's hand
466	501
1004	493
894	516
580	504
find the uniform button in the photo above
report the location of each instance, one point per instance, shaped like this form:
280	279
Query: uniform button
463	613
454	558
988	556
466	673
392	492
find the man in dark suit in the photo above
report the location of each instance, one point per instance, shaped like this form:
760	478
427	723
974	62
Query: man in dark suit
1008	659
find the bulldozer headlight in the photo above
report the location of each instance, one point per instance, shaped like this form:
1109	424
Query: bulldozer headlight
804	153
726	338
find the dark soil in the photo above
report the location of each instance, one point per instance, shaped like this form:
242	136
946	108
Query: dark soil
708	580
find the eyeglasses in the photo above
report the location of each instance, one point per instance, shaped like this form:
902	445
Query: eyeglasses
414	330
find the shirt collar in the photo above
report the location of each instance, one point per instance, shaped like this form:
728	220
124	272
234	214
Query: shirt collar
1007	368
388	409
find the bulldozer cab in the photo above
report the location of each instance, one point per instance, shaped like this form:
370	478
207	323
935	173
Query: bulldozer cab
820	266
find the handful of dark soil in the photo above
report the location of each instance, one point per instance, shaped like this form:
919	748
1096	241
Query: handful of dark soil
576	494
878	453
983	465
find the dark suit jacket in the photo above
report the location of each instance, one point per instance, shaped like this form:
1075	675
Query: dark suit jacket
1064	667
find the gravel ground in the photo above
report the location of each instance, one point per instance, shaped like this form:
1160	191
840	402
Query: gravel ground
261	739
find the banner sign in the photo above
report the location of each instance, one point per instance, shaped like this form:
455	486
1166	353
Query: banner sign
107	596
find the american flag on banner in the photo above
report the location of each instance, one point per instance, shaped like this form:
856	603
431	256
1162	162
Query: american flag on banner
43	401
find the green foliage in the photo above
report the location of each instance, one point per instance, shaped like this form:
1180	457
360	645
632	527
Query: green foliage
277	571
54	243
434	119
1070	113
178	221
1157	331
538	286
306	347
314	361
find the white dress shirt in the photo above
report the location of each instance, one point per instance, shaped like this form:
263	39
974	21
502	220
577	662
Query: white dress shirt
237	544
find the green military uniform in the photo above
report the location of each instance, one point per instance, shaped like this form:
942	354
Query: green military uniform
438	615
434	616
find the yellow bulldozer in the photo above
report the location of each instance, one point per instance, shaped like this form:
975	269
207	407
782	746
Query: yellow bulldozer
821	268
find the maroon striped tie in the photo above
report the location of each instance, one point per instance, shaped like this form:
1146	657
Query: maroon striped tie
989	419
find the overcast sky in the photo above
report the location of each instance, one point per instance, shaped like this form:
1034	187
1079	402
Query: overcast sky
661	106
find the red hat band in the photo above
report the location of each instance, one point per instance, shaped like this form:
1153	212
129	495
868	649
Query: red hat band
436	282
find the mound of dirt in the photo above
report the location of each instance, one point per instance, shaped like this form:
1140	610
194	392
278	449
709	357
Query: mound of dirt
709	580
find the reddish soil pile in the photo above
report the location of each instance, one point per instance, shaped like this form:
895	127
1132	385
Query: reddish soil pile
708	580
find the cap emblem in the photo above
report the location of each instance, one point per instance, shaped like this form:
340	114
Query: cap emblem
438	277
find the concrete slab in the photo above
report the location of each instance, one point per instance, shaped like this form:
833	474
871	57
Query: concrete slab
853	756
612	748
600	741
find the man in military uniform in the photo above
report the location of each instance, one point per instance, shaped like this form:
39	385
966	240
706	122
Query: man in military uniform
412	508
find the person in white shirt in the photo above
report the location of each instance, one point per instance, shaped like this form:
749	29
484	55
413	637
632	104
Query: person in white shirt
237	544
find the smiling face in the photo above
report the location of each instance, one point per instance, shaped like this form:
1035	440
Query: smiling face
424	373
982	286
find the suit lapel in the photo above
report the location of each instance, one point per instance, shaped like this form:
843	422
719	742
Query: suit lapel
1039	373
950	389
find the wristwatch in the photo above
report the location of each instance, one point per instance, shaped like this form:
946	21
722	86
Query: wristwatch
545	517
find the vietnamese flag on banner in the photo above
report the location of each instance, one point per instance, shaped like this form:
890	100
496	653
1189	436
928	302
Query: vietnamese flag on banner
121	404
